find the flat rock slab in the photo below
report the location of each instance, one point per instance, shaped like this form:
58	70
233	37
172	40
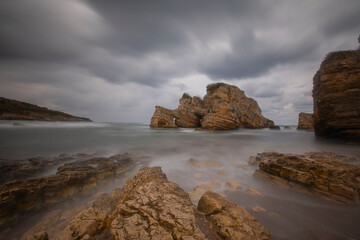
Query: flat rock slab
72	180
329	175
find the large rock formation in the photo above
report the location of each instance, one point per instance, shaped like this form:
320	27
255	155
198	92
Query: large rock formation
329	175
151	207
223	107
336	96
305	121
15	110
72	180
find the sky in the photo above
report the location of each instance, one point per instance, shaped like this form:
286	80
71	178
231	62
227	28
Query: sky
113	61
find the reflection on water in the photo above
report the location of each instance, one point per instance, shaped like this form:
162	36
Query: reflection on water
288	215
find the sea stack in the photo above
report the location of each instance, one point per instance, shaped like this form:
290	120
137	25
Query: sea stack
305	121
336	96
224	107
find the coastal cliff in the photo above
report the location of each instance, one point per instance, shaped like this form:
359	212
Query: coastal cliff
336	96
224	107
16	110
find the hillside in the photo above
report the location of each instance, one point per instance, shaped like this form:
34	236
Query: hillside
15	110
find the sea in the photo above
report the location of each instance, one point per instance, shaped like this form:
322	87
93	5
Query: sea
287	214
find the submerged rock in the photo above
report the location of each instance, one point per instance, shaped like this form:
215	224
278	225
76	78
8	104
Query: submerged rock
306	121
223	107
33	167
151	207
324	174
73	180
336	94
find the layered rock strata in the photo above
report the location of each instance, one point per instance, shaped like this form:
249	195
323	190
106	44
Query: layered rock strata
73	180
151	207
305	121
336	96
223	107
329	175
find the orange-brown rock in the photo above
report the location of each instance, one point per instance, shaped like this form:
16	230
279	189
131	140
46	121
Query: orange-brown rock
229	221
224	107
151	207
163	118
305	121
73	180
189	111
330	175
336	96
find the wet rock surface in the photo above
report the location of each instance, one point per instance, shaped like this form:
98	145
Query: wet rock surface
305	121
224	107
151	207
33	167
336	94
229	221
325	174
72	180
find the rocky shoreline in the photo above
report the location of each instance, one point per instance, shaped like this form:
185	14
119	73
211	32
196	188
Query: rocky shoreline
149	206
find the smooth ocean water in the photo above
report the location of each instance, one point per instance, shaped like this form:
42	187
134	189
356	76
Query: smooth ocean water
288	215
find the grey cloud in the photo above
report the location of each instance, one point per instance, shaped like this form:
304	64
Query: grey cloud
83	46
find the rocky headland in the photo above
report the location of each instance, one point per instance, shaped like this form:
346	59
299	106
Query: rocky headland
329	175
224	107
336	96
73	180
305	121
15	110
151	207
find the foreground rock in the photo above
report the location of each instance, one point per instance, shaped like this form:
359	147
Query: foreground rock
151	207
336	96
328	175
305	121
229	221
223	107
15	110
73	180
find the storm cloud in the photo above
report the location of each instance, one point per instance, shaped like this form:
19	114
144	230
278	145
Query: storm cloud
116	60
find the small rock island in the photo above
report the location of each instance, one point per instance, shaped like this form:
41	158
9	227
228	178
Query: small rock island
224	107
15	110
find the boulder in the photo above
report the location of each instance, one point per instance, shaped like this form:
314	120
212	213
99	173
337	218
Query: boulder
224	107
163	118
336	95
326	174
73	180
305	121
229	221
150	207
